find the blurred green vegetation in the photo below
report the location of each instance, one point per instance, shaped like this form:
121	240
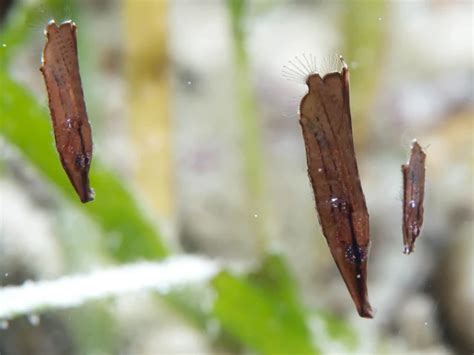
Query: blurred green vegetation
363	47
148	100
23	118
249	123
261	311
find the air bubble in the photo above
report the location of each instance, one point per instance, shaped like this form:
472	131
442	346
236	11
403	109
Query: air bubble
412	204
4	45
255	215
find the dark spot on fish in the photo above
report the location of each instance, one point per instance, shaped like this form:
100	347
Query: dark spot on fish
356	254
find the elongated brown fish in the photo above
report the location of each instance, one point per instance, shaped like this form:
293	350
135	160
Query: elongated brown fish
413	194
325	119
72	131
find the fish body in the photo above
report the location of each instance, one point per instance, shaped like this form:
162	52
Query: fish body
325	120
413	195
72	130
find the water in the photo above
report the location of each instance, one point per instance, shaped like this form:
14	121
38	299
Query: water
34	319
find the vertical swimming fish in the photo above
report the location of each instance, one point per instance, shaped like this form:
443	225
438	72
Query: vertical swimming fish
325	120
413	194
72	131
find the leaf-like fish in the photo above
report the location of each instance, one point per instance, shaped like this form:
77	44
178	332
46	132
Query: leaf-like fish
72	131
413	194
325	119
